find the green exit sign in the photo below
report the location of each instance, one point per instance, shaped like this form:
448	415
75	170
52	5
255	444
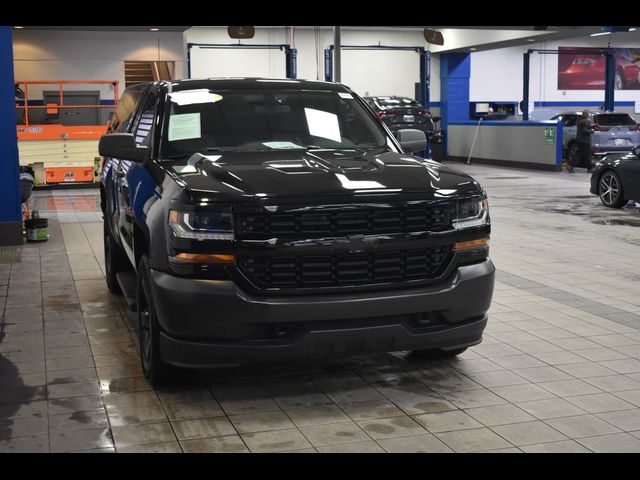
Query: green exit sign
550	135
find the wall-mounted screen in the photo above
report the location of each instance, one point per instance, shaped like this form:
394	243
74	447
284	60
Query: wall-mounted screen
583	69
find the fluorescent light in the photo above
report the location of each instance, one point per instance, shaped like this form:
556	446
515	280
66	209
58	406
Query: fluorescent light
154	29
601	33
473	49
19	28
531	39
632	29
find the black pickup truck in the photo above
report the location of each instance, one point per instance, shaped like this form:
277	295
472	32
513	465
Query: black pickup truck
255	219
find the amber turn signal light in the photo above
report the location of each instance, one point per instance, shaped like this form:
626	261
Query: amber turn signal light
203	258
471	244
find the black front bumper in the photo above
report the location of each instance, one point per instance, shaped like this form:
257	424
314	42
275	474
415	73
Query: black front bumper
207	323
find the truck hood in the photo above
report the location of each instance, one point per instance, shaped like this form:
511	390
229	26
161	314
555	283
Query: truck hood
235	176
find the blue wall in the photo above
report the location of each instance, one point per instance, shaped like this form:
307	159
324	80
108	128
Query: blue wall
455	72
10	207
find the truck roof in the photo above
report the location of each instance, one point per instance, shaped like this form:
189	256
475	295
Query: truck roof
252	84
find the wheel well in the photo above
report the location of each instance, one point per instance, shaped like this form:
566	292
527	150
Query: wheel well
140	243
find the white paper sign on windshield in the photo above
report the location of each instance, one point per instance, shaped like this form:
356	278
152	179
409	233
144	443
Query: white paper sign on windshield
323	124
184	126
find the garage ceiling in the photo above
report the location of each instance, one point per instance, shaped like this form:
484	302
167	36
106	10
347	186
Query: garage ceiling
457	38
462	38
108	28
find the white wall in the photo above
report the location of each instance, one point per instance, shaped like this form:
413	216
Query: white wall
367	72
497	74
81	55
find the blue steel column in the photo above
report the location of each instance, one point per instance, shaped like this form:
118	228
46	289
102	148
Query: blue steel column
328	64
424	88
425	77
291	55
10	206
455	72
525	86
609	82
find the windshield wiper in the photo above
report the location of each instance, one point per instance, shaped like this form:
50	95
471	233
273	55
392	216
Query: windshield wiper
176	156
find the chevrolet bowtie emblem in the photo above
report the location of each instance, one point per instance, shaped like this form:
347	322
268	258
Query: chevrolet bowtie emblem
356	243
360	243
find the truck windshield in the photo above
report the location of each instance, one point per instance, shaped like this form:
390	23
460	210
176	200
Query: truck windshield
216	120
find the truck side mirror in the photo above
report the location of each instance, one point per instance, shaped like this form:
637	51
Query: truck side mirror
122	146
412	140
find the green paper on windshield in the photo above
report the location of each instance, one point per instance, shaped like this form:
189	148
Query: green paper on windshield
184	126
281	145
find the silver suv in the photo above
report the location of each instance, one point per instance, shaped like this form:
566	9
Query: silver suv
612	132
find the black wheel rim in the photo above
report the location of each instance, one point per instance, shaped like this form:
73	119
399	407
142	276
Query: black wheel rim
609	189
145	326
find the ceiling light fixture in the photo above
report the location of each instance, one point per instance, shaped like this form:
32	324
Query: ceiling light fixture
473	49
19	28
531	39
601	33
154	29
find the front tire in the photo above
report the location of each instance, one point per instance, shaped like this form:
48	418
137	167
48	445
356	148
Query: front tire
610	190
155	370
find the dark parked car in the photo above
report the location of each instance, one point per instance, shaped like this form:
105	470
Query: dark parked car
248	219
403	112
616	179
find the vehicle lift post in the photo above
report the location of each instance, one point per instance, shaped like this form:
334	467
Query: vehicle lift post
425	70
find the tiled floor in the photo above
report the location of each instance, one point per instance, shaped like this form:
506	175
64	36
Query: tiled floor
558	370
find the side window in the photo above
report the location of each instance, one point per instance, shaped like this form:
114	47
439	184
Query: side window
125	126
143	125
570	120
352	124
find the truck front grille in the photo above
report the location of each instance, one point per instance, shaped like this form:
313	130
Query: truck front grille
345	269
352	221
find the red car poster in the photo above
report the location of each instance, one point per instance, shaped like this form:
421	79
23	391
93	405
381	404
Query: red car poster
585	71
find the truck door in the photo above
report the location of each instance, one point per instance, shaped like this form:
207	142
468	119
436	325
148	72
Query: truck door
142	131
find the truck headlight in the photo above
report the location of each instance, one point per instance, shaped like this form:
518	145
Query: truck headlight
471	212
202	224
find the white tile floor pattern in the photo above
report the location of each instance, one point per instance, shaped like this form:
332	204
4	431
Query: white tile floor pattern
558	370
